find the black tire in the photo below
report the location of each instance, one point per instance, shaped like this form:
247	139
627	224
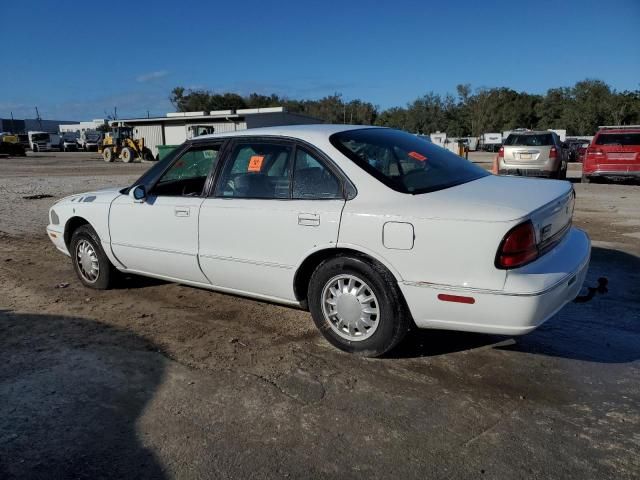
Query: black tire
393	321
106	271
562	173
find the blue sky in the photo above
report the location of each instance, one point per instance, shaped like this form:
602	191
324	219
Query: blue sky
76	60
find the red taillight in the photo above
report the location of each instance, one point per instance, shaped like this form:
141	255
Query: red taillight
594	151
553	153
518	247
501	152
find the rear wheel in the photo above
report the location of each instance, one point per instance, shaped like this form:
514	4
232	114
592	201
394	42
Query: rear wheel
357	306
127	155
107	155
89	260
562	173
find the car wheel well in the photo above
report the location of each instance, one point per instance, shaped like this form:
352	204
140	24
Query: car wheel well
306	269
72	225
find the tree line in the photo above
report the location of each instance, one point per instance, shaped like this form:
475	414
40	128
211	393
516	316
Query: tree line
579	109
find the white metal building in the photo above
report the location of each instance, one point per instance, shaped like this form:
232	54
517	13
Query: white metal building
82	126
175	128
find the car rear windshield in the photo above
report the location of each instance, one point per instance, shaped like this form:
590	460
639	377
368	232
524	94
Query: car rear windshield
618	139
536	140
405	162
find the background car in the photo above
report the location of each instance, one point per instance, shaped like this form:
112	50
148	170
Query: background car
533	154
575	147
69	142
614	153
89	141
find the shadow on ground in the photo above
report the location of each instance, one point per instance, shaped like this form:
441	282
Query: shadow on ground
72	390
604	330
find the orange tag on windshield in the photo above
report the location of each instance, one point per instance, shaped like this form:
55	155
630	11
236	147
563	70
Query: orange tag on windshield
255	163
417	156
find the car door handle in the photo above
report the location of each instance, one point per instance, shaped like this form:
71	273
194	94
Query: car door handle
182	211
309	219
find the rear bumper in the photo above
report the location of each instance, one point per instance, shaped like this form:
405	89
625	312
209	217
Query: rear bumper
613	173
548	168
526	172
531	295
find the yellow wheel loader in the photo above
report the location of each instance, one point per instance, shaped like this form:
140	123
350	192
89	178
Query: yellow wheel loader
119	143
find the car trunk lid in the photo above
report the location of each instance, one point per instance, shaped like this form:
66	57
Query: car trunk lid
491	199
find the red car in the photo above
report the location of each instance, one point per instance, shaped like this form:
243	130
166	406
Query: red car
614	153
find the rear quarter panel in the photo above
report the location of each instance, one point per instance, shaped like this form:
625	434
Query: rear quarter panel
448	252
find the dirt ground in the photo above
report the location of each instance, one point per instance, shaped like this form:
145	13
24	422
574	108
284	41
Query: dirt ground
158	380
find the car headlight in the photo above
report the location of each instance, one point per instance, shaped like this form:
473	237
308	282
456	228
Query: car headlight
53	216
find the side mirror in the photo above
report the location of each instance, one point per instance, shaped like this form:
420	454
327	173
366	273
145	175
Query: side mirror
138	193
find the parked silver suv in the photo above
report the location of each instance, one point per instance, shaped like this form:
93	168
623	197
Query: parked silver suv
533	153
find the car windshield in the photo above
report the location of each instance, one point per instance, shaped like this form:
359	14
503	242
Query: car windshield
69	137
40	136
92	137
405	162
528	140
618	139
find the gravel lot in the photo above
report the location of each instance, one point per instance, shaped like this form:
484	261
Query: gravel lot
157	380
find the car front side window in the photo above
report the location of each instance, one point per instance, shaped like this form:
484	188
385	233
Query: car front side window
188	174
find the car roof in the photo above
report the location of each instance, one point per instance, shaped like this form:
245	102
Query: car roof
618	130
529	132
303	132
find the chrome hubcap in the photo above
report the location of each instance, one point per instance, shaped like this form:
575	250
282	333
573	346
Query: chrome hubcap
87	261
350	307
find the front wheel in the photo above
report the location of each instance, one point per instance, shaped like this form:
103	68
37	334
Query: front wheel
89	260
127	155
107	155
357	306
147	155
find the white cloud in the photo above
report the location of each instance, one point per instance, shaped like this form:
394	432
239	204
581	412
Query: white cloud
150	76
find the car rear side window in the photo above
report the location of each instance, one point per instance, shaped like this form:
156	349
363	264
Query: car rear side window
624	139
405	162
312	180
256	170
538	140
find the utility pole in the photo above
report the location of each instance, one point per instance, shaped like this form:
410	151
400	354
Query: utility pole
38	118
115	113
13	129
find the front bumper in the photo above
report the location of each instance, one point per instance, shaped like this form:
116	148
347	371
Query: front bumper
532	294
56	235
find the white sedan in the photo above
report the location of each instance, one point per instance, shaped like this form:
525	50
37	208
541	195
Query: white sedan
373	230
